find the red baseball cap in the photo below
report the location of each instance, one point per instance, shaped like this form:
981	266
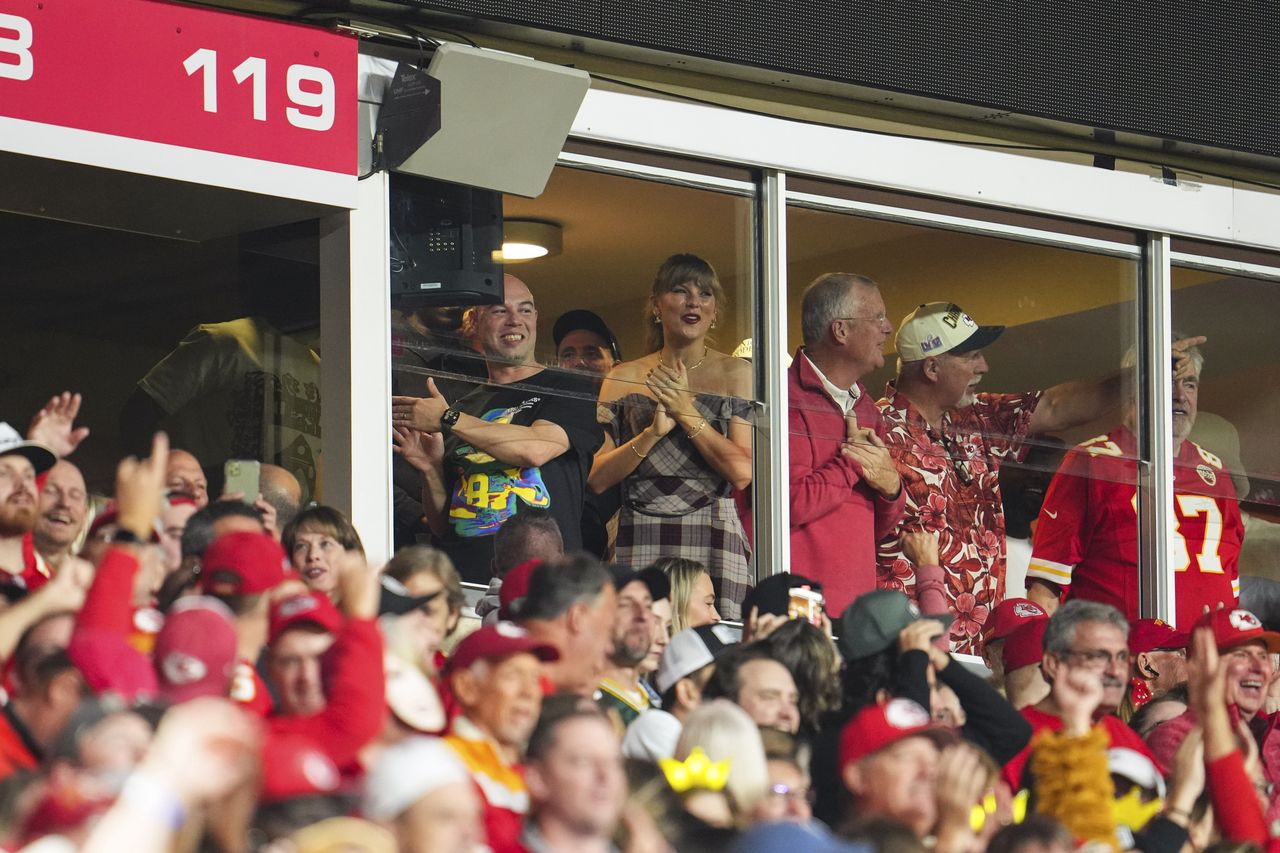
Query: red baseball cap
254	559
1147	635
308	608
1008	615
1233	628
293	765
515	586
195	653
1025	645
878	726
498	641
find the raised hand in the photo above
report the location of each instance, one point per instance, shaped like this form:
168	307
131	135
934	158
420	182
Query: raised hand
358	582
1077	691
54	425
420	413
1182	364
140	487
423	450
919	635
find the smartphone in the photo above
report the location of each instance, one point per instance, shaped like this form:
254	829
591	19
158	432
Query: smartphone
805	604
243	475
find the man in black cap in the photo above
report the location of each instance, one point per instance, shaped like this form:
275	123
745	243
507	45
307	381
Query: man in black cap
584	342
588	347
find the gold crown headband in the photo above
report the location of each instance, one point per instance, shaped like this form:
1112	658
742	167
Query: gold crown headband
697	772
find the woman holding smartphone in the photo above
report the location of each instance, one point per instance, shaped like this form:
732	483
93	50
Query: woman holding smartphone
677	436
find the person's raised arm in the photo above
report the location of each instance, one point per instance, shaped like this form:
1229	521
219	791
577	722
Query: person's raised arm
54	425
356	686
1079	401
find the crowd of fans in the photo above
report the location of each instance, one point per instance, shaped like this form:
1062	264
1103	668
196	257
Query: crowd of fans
188	673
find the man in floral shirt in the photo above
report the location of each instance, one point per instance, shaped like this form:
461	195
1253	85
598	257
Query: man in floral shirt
949	441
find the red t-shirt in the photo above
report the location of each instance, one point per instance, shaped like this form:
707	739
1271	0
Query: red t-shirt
1119	733
1087	535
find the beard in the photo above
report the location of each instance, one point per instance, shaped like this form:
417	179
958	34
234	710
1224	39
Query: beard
17	519
631	649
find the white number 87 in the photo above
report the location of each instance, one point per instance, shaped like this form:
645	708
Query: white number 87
323	99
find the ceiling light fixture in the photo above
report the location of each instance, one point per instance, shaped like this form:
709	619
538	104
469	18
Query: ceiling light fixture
527	240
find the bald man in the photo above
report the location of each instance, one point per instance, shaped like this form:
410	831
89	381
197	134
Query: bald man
184	474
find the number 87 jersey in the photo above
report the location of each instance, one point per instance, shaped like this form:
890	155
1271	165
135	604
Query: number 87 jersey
1086	539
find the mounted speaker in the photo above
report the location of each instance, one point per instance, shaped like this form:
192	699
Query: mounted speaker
503	119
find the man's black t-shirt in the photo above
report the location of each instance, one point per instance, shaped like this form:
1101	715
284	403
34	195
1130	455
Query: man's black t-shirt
483	492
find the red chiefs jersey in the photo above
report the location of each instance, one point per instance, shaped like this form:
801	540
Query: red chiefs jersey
1087	535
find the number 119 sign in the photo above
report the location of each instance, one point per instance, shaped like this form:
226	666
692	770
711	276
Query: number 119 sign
193	78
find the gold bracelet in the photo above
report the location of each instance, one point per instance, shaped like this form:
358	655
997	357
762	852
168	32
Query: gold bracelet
701	427
632	445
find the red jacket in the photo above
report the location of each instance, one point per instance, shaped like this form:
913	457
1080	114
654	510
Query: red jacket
836	519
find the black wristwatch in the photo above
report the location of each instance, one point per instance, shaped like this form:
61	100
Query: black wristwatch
125	537
448	419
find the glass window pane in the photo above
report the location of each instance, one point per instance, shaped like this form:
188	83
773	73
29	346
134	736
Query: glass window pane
976	419
666	485
1229	478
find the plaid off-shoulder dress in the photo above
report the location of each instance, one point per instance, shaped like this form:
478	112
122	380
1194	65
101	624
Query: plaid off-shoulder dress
676	505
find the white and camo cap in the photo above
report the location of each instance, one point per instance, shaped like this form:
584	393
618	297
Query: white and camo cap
940	327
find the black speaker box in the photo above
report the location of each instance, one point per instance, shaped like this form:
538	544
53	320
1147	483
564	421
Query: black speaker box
443	239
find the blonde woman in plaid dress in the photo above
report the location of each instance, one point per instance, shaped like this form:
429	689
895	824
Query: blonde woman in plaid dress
678	439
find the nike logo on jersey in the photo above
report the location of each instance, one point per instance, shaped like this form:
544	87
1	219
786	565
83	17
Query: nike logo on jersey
1051	514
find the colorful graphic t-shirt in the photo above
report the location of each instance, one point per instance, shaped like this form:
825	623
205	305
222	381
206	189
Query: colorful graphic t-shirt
1087	536
484	491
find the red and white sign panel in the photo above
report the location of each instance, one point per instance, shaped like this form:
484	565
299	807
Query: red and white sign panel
153	71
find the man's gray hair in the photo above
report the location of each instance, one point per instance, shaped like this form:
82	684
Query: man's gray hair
1060	633
825	300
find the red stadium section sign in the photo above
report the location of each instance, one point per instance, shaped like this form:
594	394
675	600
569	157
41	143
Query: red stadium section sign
176	75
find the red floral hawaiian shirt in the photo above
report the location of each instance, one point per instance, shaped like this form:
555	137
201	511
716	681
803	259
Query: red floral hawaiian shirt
950	477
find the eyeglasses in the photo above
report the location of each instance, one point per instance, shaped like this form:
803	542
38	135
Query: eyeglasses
1099	658
875	318
805	794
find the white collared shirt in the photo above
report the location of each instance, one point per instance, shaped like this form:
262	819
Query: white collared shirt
845	398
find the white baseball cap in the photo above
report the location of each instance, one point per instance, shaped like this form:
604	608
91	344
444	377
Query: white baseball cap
41	457
940	327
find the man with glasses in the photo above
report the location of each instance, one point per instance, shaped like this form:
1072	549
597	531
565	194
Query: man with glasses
949	442
1083	639
845	489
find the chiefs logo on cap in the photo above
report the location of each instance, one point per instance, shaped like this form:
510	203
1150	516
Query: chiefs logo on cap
1243	620
905	714
180	668
1026	609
